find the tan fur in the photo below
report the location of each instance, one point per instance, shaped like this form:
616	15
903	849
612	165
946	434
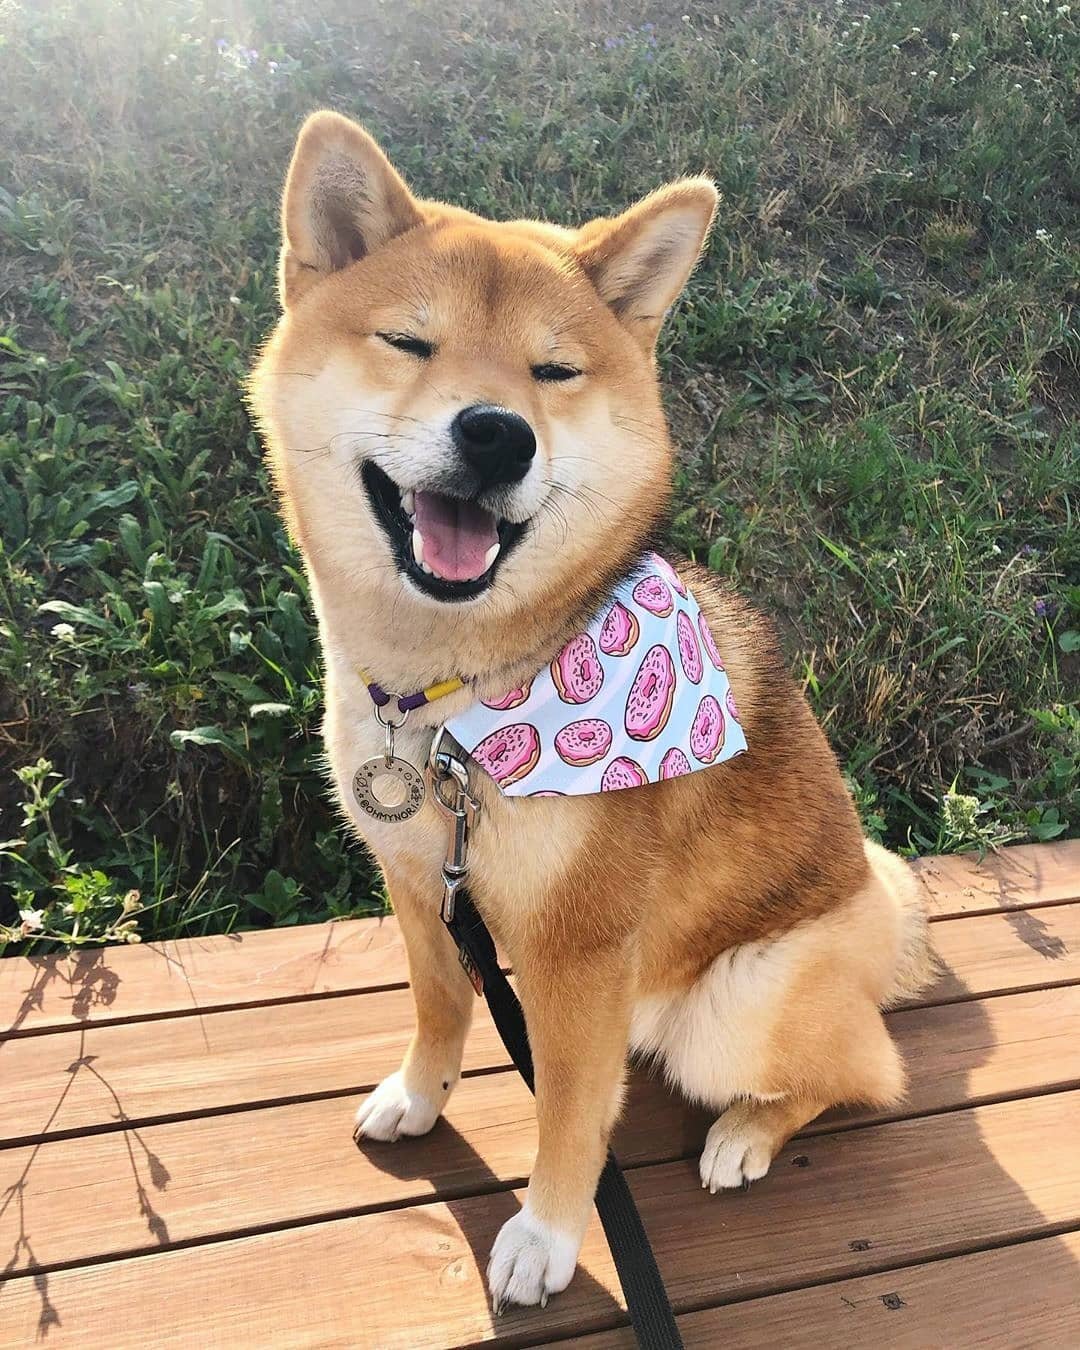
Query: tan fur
731	923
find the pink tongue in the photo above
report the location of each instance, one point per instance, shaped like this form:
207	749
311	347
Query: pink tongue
457	535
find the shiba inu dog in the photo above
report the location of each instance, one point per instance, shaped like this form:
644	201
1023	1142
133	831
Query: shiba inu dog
464	425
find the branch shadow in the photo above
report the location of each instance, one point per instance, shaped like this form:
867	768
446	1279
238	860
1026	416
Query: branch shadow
91	982
23	1260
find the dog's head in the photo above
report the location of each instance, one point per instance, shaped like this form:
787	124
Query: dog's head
463	412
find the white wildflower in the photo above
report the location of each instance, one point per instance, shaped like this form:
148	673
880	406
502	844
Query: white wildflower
32	920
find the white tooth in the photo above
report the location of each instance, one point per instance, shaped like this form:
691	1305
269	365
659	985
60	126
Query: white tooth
491	555
408	502
418	546
425	568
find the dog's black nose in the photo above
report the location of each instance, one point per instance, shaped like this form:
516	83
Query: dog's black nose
496	443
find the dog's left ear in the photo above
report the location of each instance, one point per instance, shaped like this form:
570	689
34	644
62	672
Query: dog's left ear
343	200
640	261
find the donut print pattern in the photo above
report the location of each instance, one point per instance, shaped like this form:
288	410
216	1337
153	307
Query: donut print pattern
622	772
707	730
584	742
514	699
620	631
654	594
670	575
689	651
708	643
577	671
636	699
509	754
651	695
674	764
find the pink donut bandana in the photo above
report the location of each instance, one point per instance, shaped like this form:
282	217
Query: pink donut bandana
639	696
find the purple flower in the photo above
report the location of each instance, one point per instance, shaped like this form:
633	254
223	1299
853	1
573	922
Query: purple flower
1028	551
221	44
648	28
1042	609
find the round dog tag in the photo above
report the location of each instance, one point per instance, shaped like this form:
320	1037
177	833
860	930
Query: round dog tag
388	790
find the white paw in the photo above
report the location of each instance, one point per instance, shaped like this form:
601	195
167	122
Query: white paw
529	1261
392	1110
736	1151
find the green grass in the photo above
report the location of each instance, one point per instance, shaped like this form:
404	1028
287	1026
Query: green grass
874	380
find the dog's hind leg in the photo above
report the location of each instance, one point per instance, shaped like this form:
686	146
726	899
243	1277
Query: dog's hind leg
410	1101
777	1031
746	1137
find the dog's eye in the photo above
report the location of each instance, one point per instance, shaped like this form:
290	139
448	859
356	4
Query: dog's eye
554	373
405	342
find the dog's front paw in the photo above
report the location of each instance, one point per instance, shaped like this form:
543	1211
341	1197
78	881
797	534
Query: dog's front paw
529	1261
736	1152
392	1111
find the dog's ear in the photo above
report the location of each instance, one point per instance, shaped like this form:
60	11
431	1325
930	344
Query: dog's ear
640	261
343	199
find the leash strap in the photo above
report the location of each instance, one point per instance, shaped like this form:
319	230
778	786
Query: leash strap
643	1288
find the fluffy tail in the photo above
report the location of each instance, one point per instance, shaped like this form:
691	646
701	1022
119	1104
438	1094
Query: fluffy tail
916	964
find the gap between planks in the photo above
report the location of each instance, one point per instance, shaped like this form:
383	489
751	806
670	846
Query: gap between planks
107	1081
919	1190
296	1159
367	955
946	1301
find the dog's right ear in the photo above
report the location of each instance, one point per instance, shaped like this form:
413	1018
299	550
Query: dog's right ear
343	199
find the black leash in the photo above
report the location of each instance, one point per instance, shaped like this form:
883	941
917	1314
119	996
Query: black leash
646	1298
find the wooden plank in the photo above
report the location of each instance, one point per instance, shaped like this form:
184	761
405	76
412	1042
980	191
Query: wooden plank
163	1184
995	953
1018	1295
202	974
73	1081
198	974
1012	878
898	1194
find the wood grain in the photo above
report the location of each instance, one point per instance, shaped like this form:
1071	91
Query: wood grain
833	1207
1013	878
99	1075
199	974
995	953
163	1184
1018	1295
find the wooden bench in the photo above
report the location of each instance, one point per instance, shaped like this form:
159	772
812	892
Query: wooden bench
177	1169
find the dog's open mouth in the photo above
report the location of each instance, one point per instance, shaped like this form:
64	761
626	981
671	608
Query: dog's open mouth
449	548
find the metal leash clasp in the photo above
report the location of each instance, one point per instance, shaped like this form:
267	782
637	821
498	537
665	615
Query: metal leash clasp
449	777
